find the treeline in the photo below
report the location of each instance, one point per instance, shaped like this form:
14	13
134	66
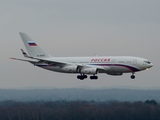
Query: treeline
79	94
79	110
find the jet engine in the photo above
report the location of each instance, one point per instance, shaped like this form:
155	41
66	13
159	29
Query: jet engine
115	74
71	69
89	70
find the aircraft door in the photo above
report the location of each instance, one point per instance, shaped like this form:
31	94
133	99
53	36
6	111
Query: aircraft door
113	62
112	69
135	62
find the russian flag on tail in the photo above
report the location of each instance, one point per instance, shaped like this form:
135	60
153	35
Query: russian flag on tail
32	43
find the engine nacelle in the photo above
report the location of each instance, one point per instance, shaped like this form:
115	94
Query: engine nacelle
89	70
115	74
71	69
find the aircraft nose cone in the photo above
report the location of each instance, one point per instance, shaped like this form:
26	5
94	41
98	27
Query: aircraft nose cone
150	65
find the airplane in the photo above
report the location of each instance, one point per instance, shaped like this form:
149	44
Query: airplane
111	65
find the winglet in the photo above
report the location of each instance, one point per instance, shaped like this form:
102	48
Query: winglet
24	53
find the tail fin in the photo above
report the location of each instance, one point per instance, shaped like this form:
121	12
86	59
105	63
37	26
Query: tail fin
33	49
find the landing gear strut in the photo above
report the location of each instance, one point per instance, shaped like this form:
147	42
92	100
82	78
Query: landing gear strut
133	76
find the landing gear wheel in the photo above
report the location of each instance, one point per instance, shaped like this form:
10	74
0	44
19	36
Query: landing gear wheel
81	77
85	76
132	76
93	77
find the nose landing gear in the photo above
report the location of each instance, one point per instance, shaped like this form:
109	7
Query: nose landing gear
133	76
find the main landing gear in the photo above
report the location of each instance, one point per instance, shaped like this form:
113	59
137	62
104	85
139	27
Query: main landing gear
93	77
132	76
82	77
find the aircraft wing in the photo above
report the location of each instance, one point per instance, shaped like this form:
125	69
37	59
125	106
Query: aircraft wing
23	60
55	62
61	63
41	59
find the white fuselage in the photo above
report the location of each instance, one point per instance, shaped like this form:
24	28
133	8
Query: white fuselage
110	64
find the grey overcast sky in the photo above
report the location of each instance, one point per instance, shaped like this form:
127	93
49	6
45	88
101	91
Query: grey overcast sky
79	28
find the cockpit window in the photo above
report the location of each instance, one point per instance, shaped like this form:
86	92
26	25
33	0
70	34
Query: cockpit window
147	62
